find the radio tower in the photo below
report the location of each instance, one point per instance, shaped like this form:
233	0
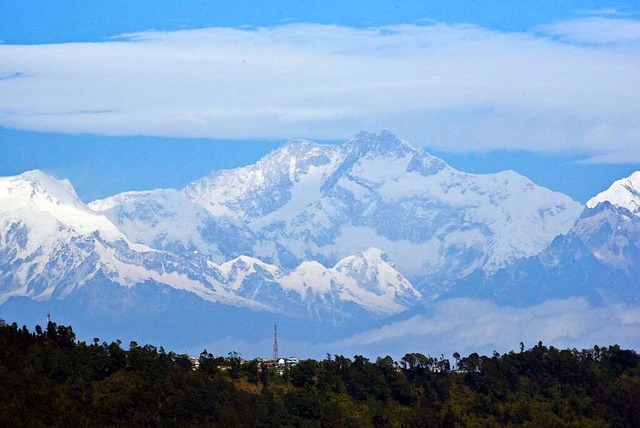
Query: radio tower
275	342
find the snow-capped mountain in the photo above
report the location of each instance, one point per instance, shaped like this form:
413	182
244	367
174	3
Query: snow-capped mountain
315	202
623	193
48	236
598	258
306	237
51	244
367	280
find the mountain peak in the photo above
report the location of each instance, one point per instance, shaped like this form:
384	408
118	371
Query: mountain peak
48	211
623	193
371	258
39	176
383	143
376	255
37	183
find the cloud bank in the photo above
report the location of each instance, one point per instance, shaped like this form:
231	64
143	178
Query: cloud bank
469	325
569	86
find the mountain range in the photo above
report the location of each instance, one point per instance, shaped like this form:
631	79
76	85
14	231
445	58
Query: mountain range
599	258
330	235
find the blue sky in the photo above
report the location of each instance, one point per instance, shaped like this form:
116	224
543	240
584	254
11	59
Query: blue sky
52	21
131	95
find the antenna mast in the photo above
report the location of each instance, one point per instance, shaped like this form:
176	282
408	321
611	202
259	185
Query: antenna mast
275	342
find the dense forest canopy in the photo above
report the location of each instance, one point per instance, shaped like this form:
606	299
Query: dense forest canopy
48	378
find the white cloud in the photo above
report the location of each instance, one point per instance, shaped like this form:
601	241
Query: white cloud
606	11
450	87
467	325
596	30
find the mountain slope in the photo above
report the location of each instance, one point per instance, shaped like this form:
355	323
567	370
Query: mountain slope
163	219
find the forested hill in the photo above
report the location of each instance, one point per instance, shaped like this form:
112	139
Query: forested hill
47	378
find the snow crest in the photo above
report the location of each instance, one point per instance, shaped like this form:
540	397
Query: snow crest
623	193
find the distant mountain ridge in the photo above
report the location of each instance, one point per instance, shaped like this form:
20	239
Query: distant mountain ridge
312	233
599	258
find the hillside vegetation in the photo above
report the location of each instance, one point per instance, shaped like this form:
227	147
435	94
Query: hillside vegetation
48	378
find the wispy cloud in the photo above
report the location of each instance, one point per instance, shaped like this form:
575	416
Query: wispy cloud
451	87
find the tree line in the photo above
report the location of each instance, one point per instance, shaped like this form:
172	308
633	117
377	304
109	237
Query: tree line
48	378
